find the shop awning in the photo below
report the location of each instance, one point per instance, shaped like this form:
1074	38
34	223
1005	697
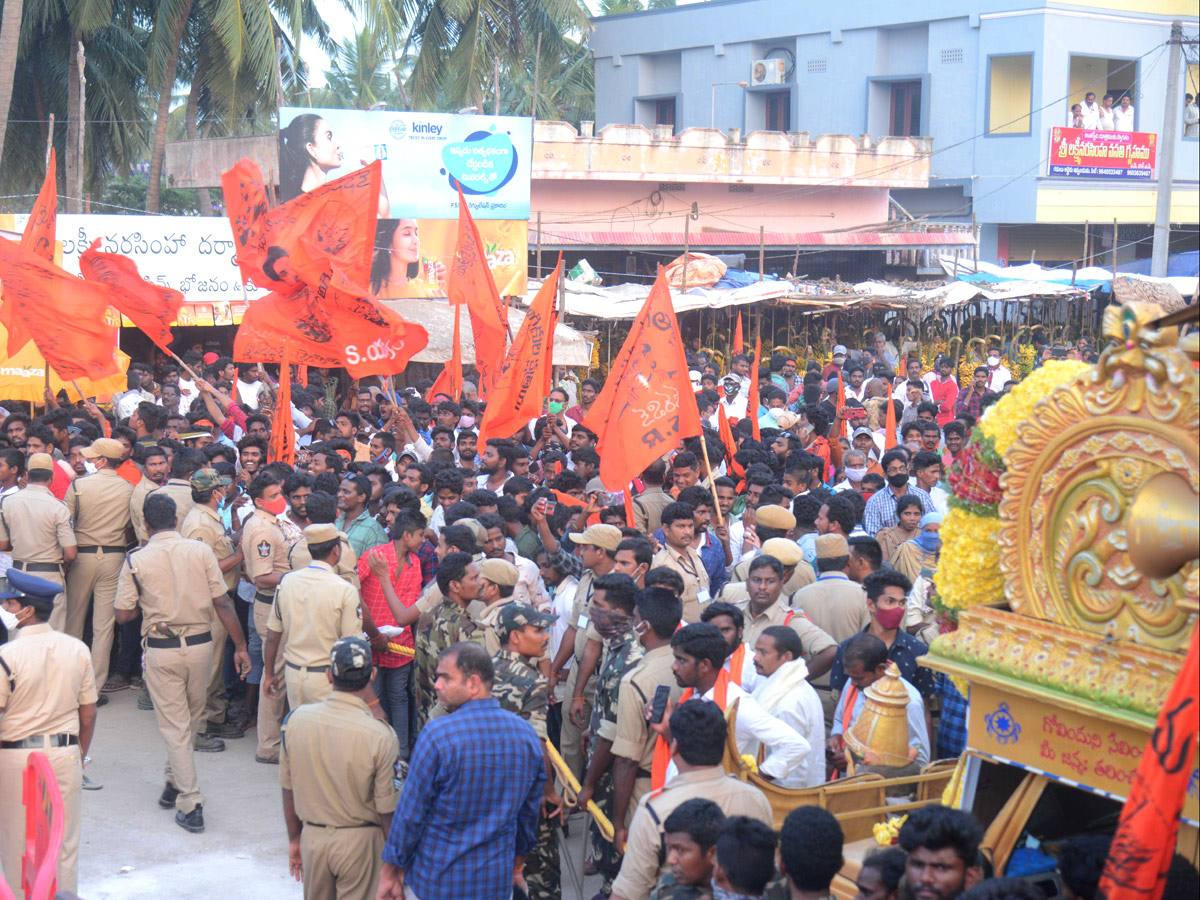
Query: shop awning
558	238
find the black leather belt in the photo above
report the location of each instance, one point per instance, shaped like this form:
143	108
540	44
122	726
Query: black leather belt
292	665
339	827
38	741
37	567
264	598
92	548
168	643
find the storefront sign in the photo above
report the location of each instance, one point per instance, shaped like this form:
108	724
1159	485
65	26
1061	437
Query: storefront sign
1092	752
1088	153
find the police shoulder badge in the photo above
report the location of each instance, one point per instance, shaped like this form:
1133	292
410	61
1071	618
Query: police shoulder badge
264	549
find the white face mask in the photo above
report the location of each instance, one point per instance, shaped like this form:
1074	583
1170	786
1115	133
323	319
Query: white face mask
856	473
466	422
993	362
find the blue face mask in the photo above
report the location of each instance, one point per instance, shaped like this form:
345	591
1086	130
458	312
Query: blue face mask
929	541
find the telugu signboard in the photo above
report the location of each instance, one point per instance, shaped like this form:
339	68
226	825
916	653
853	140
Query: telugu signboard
1089	153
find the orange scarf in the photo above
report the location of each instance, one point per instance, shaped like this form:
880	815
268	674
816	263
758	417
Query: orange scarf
662	753
736	662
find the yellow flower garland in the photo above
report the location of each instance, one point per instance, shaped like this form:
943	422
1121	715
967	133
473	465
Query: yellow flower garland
1000	421
968	572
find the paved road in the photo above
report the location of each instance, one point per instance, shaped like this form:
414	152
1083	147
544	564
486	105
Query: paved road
242	854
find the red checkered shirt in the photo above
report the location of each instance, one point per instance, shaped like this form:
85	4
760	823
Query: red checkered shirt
407	584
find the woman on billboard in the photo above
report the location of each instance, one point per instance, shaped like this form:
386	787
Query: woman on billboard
396	266
307	154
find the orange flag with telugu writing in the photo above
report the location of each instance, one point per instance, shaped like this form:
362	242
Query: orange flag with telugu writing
150	307
38	239
730	444
66	316
752	401
450	381
470	281
647	405
520	387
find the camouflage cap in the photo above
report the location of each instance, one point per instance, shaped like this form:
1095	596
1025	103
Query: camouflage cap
518	615
209	479
350	656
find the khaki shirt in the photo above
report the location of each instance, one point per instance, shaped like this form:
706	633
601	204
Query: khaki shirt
264	546
648	507
49	677
177	580
803	575
179	490
43	526
695	579
204	524
836	605
346	568
313	608
339	761
99	506
640	869
812	639
635	738
581	618
137	501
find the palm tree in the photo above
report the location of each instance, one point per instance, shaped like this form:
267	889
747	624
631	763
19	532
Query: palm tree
612	7
360	75
10	37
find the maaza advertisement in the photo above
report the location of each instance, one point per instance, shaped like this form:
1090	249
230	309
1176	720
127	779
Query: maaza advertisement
1088	153
425	157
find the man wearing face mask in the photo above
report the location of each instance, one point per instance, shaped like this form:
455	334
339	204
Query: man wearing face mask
613	605
881	509
733	400
997	375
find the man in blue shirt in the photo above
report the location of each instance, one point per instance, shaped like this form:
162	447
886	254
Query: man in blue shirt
468	814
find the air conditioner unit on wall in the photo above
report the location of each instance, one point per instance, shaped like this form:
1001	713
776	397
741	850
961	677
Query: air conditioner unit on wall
767	71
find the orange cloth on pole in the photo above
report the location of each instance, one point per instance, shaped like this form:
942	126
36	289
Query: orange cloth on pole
450	380
38	239
889	437
662	753
739	342
150	307
470	281
752	402
646	406
726	433
283	434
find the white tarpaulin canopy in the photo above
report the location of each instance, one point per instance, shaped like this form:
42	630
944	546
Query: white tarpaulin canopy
571	347
625	301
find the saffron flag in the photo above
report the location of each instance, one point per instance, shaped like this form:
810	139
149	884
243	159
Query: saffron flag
739	342
839	403
283	434
66	317
752	401
1144	843
730	444
647	405
470	281
329	230
150	307
38	239
520	387
889	437
450	381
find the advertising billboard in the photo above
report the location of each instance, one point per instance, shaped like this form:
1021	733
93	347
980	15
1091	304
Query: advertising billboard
1089	153
425	157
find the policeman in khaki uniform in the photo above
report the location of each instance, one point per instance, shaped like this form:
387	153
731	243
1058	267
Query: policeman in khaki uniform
99	506
154	476
337	767
322	509
678	554
497	582
179	486
204	524
313	608
48	700
43	542
265	552
521	689
797	573
178	586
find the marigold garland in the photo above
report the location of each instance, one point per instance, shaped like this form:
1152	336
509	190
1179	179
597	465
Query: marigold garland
968	572
1001	419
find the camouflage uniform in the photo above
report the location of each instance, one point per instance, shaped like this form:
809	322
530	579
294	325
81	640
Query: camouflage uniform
621	655
521	689
436	630
670	889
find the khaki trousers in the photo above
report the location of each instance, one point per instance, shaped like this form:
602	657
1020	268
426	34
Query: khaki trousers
342	863
305	687
177	679
571	738
215	704
270	711
94	574
67	767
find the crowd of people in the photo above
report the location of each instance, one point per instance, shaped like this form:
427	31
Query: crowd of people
411	621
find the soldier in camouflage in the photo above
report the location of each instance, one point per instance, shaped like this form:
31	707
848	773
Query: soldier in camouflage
612	615
521	689
458	580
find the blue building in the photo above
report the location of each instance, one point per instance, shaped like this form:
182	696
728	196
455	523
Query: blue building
988	81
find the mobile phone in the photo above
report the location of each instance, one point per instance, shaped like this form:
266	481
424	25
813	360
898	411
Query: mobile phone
658	706
549	505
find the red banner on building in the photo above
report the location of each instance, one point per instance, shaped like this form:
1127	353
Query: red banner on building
1089	153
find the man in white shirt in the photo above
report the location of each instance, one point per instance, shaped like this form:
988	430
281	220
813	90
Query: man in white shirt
998	375
1091	111
784	692
248	386
734	399
1123	115
865	660
1106	113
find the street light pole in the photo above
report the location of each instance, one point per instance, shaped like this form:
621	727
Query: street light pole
712	117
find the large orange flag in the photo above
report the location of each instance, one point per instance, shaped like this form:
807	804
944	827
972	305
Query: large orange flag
726	433
470	281
450	381
1144	843
752	401
283	434
647	406
150	307
38	239
65	316
521	385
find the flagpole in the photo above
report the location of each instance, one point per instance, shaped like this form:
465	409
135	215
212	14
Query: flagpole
712	487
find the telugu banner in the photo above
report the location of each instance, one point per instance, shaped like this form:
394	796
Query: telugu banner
1089	153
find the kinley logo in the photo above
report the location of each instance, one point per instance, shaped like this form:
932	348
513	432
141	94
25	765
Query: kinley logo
426	128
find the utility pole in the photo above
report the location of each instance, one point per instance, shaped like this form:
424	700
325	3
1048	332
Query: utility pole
1166	158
